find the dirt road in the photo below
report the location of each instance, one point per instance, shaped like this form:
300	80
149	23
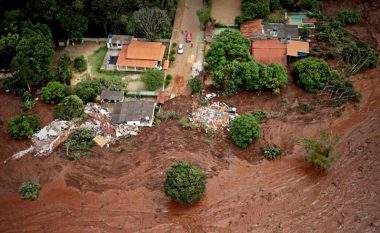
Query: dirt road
186	20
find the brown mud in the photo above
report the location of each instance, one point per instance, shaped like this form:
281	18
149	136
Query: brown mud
121	190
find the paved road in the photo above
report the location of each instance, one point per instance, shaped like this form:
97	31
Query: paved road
186	20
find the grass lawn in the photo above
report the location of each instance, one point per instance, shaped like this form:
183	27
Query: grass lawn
96	60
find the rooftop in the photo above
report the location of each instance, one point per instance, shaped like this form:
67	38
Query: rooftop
141	54
249	27
269	51
280	30
294	47
123	39
133	110
112	95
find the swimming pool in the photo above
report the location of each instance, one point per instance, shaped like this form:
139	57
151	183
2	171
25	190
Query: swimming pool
297	18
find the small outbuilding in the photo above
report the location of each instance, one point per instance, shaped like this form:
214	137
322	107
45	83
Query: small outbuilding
117	41
136	112
111	96
281	31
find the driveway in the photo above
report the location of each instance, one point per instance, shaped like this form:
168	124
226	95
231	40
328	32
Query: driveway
186	20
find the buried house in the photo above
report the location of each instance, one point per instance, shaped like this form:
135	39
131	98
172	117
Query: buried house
134	112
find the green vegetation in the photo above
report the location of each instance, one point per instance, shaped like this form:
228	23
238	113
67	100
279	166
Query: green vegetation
153	79
28	101
260	115
304	108
312	73
233	69
168	79
185	123
167	115
253	9
71	107
185	183
210	132
305	33
271	152
85	93
29	190
320	151
63	72
95	60
23	126
152	23
78	143
244	130
54	92
171	59
80	64
350	16
311	5
195	85
204	16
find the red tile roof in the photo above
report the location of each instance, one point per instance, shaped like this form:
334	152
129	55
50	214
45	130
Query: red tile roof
249	27
269	51
309	20
141	54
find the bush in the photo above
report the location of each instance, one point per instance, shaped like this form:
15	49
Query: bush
185	123
260	115
360	55
253	9
63	72
304	108
185	183
168	79
342	90
85	93
54	92
28	101
351	16
23	126
80	63
172	52
195	85
244	130
311	5
153	79
312	73
166	115
174	45
29	190
320	152
211	132
78	143
171	59
305	33
70	107
271	152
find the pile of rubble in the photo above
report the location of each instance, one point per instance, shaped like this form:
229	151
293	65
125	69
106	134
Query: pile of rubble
216	115
92	108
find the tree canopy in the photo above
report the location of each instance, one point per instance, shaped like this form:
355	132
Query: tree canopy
153	79
244	130
185	183
312	73
23	126
151	22
70	107
54	92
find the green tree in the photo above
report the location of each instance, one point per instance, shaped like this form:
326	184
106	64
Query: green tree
244	130
312	73
34	54
311	5
8	45
253	9
153	79
305	33
185	183
279	78
85	93
23	126
204	16
195	85
78	143
80	63
42	10
350	16
63	72
73	22
54	92
360	56
70	107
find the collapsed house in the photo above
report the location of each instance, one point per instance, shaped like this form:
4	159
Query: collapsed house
134	112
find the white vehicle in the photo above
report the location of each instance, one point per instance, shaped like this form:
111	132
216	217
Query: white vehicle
180	48
210	96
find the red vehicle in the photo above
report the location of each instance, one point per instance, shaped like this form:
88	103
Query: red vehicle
188	37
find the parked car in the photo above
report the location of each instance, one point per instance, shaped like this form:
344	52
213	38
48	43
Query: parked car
210	96
180	48
188	37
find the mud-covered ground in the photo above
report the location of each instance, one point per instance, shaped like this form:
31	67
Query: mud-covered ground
121	189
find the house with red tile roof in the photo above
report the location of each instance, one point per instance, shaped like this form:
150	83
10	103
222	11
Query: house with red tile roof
269	51
249	28
140	55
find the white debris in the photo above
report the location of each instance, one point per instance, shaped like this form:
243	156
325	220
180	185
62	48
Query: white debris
124	130
96	108
20	154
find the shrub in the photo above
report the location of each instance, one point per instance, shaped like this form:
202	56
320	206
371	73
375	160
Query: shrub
312	73
260	115
195	85
205	102
85	93
311	5
168	79
63	72
174	45
320	152
285	101
211	132
23	126
80	63
185	123
28	101
54	92
244	130
271	152
341	90
29	190
304	108
185	183
153	79
253	9
305	33
350	16
166	115
70	107
360	55
78	143
172	52
171	59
